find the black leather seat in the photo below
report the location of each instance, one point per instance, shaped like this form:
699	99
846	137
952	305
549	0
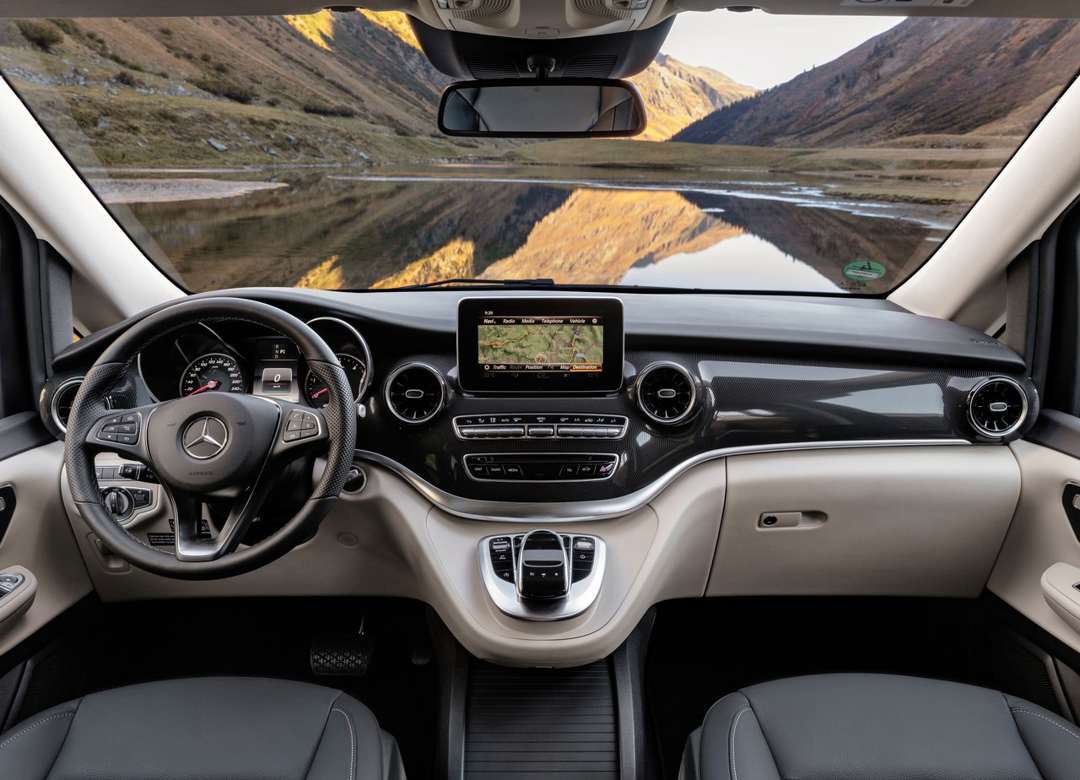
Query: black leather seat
857	727
203	729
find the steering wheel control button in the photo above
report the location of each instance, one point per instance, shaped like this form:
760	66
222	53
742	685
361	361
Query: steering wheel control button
540	426
205	438
120	429
541	467
300	425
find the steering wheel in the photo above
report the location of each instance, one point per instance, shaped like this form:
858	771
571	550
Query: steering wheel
211	447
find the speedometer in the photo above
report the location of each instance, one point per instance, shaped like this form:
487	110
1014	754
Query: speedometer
215	372
317	393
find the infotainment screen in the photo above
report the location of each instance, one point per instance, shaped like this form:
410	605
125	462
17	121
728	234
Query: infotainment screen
534	344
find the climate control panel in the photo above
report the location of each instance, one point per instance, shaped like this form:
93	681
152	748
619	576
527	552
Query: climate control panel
540	426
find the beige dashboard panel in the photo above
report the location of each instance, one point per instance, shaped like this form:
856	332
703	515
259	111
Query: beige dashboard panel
869	522
390	541
661	552
39	540
1040	537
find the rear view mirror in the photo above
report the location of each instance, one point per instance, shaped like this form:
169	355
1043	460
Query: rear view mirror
542	108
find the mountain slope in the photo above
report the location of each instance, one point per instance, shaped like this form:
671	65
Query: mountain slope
330	87
676	94
913	81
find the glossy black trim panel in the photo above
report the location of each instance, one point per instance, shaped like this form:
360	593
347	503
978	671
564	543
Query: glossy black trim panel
744	402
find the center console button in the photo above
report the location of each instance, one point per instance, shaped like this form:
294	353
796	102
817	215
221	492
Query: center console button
541	431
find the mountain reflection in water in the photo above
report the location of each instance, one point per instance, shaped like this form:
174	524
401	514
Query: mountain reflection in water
337	232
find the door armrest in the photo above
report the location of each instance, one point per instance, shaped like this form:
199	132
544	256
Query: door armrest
15	602
1061	589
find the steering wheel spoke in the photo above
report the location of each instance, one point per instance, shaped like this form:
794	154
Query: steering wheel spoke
301	430
192	544
122	431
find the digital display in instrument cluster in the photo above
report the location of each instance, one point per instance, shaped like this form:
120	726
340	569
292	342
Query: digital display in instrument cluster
540	344
277	363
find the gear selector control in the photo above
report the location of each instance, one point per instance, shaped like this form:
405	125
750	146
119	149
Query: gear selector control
542	575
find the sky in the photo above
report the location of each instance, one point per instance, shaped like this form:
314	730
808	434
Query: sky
762	50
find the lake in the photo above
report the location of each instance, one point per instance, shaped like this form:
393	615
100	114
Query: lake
343	228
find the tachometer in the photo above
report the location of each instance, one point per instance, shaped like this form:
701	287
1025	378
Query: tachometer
318	394
216	372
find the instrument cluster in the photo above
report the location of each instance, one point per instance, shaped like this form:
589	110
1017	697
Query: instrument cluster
248	359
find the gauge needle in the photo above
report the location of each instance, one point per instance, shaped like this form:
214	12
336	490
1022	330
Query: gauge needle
211	385
324	390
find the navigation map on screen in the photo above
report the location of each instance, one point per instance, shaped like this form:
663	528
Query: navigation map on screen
559	343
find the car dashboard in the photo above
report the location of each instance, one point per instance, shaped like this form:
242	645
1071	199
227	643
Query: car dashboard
616	425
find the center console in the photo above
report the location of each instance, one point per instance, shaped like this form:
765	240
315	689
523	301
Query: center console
544	347
542	574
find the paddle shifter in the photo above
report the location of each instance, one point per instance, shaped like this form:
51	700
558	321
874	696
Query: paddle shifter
543	575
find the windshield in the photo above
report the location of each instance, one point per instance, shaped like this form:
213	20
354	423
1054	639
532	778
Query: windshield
793	154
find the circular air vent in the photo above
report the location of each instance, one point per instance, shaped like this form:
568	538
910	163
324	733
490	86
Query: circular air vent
62	400
666	393
415	393
997	407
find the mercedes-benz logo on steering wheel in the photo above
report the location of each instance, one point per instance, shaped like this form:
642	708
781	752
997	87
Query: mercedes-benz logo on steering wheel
205	437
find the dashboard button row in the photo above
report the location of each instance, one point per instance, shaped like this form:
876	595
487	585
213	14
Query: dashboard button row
540	426
531	467
503	551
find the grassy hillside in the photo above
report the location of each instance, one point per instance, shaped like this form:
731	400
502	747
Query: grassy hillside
232	90
331	87
934	82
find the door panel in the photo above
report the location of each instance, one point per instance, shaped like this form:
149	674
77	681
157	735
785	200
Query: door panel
40	540
1040	537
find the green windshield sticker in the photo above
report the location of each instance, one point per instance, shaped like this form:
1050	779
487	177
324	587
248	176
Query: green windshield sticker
864	271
